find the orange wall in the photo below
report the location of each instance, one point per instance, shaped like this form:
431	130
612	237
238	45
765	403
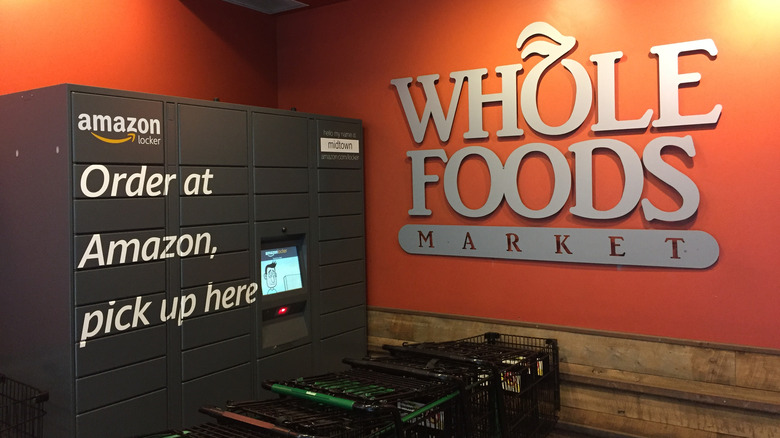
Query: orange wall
340	60
343	62
202	49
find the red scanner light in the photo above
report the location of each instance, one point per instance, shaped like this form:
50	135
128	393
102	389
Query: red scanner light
282	311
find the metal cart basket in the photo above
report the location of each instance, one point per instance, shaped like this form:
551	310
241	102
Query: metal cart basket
21	409
314	419
475	413
420	408
211	430
524	368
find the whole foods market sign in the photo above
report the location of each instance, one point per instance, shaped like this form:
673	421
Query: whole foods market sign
664	248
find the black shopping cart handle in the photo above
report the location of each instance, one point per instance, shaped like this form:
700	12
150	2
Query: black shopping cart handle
426	352
400	370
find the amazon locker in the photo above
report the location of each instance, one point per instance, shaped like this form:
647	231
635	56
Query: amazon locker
175	253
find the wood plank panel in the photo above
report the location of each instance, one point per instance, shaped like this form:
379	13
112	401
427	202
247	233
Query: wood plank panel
667	360
678	361
712	393
725	421
600	400
629	427
760	371
659	410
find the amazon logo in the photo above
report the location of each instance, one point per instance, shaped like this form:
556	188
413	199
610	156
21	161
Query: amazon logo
119	129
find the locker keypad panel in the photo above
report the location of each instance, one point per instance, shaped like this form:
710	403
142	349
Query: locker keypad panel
208	246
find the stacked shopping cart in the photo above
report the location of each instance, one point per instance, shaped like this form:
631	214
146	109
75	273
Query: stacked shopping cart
523	375
492	385
21	409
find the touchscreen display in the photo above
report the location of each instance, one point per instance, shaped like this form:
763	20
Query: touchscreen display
280	269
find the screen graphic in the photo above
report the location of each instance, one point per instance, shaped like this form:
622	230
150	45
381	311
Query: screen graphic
281	270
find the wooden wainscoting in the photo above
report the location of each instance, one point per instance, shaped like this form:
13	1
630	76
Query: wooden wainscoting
619	385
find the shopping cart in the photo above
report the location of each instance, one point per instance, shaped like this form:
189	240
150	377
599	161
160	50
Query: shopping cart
21	409
288	417
211	430
475	413
524	368
420	408
312	418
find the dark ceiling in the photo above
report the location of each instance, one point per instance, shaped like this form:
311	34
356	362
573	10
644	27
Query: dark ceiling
272	7
318	3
